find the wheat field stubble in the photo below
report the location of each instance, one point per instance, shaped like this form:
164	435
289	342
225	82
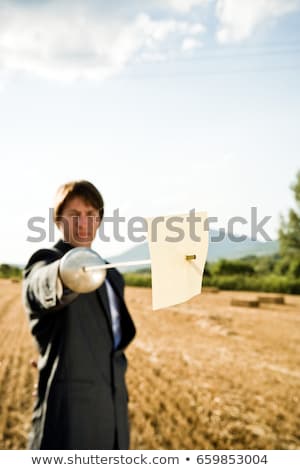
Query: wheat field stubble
201	375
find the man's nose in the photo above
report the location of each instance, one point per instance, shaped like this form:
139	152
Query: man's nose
83	221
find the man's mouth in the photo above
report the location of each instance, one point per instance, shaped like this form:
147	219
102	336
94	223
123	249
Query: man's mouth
84	235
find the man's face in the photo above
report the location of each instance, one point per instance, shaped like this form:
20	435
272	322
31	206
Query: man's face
79	222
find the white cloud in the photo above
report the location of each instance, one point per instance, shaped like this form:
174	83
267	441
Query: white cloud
184	6
55	41
239	18
189	44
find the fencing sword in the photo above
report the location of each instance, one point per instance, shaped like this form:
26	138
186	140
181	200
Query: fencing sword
83	270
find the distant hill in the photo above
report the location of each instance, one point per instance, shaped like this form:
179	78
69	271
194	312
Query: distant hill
226	248
230	249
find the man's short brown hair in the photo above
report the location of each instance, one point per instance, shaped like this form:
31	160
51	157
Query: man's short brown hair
83	189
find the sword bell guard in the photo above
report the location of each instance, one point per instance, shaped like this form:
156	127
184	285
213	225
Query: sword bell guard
73	274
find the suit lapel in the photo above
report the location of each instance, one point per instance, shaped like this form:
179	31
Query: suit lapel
103	297
114	283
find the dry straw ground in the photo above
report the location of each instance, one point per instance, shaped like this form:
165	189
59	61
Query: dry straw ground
202	375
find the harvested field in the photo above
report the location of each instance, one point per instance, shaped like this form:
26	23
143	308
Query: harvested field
202	375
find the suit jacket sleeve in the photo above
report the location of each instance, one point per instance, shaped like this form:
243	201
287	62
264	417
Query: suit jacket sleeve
43	290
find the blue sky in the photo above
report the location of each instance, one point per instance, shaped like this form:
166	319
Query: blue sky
164	105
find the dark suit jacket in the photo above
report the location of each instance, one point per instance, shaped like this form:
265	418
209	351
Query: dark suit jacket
82	396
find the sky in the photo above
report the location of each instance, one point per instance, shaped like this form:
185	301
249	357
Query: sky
165	105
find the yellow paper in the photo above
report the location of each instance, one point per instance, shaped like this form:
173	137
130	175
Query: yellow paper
174	279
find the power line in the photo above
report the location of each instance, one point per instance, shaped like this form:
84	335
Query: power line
199	74
229	47
224	56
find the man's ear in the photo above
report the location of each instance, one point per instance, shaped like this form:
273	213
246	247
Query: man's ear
98	220
61	223
58	222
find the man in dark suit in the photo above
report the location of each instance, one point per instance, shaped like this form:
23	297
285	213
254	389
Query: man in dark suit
82	400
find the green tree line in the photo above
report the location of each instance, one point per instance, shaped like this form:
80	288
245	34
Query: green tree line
8	271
